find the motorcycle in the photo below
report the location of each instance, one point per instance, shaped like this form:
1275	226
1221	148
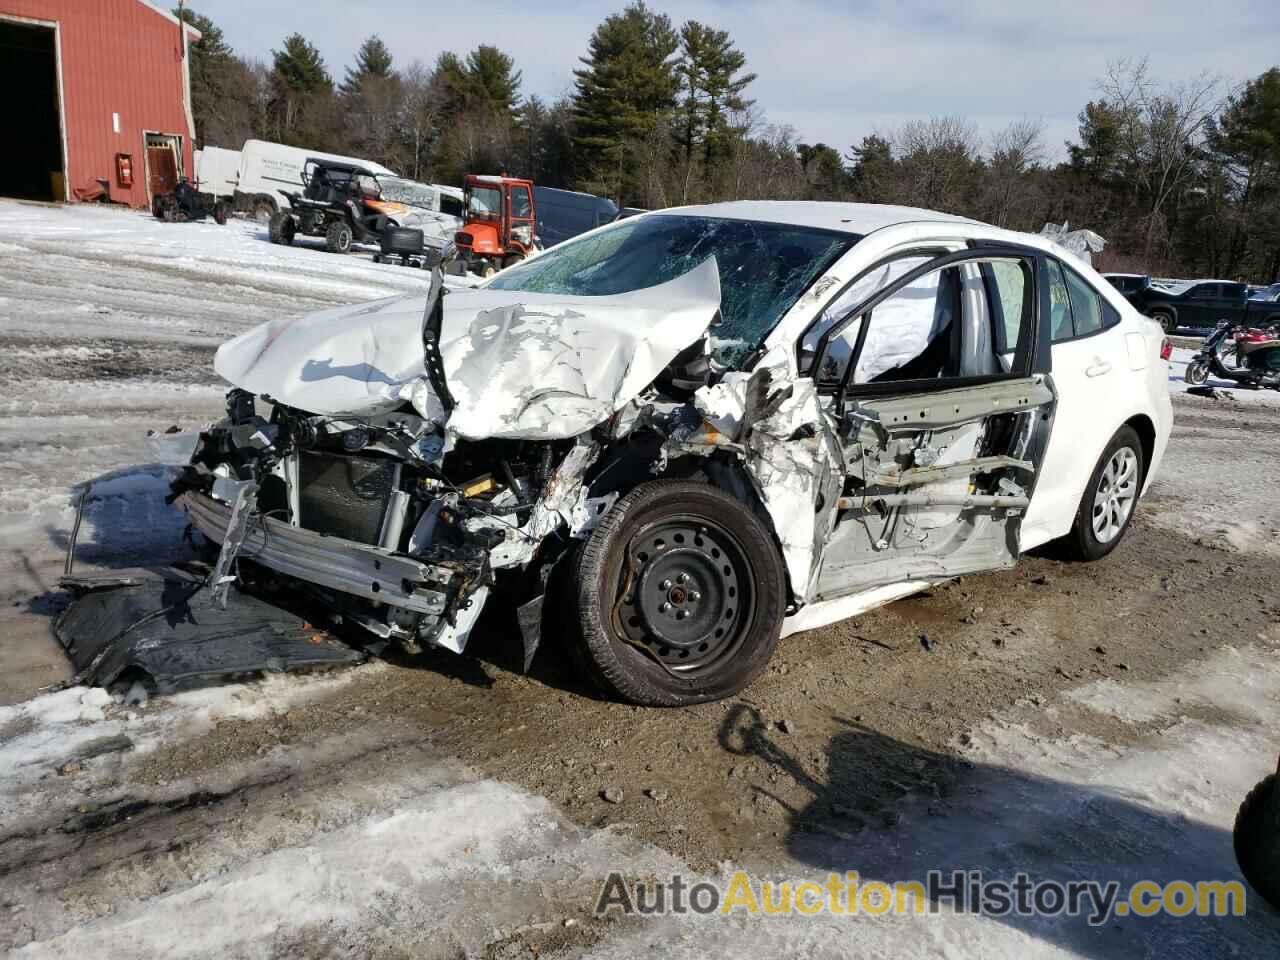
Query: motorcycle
1248	357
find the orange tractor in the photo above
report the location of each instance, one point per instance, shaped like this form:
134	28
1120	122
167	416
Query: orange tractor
499	224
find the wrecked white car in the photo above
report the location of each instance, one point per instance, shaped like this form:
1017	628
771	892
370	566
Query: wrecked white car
688	434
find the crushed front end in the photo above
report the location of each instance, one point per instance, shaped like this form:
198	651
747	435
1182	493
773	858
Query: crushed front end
372	516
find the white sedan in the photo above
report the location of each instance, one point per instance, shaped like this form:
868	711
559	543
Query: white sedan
679	437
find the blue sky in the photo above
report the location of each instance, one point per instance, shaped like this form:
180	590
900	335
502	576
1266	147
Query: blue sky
834	71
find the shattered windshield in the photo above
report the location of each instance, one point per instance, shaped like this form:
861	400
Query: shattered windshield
764	268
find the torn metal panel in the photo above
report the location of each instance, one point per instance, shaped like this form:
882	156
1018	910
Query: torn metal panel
785	440
164	623
518	365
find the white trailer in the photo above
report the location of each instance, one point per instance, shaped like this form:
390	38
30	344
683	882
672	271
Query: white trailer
267	168
217	171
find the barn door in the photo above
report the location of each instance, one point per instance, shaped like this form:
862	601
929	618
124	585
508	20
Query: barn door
162	165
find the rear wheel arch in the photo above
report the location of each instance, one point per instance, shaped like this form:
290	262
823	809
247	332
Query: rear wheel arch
1146	431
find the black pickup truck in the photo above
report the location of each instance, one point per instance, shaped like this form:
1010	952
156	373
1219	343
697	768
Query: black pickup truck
1206	303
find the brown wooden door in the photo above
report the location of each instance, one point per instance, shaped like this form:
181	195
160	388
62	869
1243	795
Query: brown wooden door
162	166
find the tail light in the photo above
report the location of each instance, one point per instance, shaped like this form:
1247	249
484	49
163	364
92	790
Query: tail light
1166	349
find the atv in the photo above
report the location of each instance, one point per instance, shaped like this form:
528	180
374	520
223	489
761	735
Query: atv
347	203
187	203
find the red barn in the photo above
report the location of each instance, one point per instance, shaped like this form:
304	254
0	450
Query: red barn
99	98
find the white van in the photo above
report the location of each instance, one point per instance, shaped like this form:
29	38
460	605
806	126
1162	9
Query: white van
217	171
267	168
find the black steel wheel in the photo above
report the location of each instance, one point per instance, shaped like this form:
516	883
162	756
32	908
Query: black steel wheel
681	594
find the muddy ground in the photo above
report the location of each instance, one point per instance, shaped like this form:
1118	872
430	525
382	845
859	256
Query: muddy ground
734	780
849	726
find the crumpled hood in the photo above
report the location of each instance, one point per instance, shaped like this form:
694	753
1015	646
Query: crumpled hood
517	364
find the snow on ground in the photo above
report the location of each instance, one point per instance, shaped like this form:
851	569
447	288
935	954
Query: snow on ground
108	321
1178	382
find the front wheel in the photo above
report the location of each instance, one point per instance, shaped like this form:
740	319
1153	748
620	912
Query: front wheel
680	595
1197	372
337	239
280	228
1109	498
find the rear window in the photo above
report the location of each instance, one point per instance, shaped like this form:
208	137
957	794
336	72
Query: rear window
764	268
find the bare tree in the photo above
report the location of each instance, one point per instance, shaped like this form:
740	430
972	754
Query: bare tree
1160	132
1011	193
937	162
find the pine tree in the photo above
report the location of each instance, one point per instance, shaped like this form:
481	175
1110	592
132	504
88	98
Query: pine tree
627	87
300	87
373	59
493	80
711	86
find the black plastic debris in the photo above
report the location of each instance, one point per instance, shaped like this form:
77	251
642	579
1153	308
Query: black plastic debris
164	623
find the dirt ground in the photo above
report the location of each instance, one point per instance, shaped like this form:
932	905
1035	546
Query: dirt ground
725	781
750	780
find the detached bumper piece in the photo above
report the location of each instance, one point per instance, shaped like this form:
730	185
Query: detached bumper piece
165	623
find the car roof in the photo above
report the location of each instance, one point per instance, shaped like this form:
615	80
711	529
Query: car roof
853	218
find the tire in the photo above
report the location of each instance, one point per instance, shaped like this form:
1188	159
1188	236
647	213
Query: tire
1084	541
309	223
1197	372
280	228
220	213
733	597
1256	839
401	241
512	260
157	208
337	238
1165	319
488	270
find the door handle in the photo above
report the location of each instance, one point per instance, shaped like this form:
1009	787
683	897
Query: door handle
1098	368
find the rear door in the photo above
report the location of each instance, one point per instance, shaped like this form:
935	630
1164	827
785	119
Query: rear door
936	384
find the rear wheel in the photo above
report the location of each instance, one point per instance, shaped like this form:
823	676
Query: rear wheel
1197	372
1256	839
680	595
220	213
1109	498
1165	319
337	238
280	228
512	260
